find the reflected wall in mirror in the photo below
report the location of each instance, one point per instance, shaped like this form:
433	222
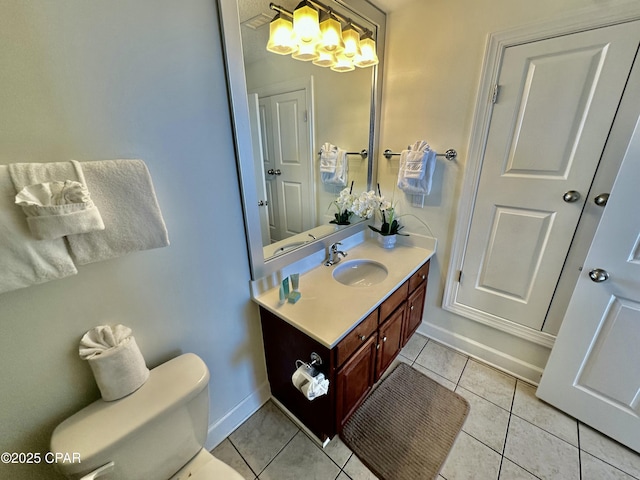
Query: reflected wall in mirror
293	108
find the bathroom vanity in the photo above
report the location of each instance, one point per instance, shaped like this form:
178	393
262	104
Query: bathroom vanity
357	331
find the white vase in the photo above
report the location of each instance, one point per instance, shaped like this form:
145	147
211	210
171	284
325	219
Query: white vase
387	241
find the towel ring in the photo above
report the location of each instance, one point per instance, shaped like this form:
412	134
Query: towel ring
450	154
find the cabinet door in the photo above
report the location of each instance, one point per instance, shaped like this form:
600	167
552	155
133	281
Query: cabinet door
354	380
415	308
389	341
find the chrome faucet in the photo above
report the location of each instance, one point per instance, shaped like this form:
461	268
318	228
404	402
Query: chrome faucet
334	254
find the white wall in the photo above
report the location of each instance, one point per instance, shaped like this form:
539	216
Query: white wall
433	62
120	79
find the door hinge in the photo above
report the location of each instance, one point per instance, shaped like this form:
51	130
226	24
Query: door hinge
494	95
305	116
459	276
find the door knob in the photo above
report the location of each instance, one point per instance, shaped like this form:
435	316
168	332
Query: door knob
601	200
598	275
571	196
271	171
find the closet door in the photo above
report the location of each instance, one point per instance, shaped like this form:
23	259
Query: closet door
593	373
557	99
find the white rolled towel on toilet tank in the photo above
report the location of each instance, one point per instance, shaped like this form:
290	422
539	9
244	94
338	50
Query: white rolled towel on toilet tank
115	359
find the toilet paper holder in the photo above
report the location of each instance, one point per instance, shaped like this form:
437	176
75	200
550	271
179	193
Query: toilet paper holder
315	361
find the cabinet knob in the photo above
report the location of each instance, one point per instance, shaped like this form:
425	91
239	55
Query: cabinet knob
424	277
377	346
384	339
411	308
362	337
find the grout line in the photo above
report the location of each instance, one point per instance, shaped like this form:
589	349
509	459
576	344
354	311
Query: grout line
506	436
579	451
546	431
279	452
242	457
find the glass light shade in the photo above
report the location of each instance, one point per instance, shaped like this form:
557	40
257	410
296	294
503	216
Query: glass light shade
343	64
351	42
281	39
306	52
367	57
305	24
325	60
331	36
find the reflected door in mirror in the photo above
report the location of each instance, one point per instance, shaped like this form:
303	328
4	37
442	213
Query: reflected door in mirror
288	166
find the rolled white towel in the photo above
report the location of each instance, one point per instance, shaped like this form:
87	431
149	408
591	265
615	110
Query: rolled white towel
56	209
115	359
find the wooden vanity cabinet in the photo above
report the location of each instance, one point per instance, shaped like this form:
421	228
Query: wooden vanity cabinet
415	301
390	340
355	379
352	366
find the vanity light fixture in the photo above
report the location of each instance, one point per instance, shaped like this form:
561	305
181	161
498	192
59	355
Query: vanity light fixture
306	27
351	39
326	43
368	56
343	64
330	35
306	52
325	60
281	39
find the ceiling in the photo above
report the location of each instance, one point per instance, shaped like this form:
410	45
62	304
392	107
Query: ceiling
250	8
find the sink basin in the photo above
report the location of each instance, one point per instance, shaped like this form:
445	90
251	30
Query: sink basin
360	273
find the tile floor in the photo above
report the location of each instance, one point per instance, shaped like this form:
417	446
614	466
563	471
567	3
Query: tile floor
508	435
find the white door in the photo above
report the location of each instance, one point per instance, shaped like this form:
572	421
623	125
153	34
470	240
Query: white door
288	163
556	101
258	159
593	372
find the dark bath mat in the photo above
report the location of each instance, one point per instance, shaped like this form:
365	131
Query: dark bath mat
406	427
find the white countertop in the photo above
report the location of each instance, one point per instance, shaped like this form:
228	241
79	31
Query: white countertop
328	310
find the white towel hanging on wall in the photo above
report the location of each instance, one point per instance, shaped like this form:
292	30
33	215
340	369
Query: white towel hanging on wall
415	172
334	165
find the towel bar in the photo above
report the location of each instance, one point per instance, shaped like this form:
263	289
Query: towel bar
450	154
362	153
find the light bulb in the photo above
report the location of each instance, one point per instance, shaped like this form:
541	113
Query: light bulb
343	64
330	36
325	60
281	36
367	57
305	24
306	52
351	42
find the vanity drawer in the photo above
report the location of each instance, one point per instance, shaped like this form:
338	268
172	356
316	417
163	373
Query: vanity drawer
356	337
419	277
393	301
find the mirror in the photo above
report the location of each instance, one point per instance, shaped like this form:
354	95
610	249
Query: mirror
284	111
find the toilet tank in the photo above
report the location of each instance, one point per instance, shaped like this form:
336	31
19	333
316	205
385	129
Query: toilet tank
149	434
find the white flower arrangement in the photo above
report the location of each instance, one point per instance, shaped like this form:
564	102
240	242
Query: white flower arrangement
363	205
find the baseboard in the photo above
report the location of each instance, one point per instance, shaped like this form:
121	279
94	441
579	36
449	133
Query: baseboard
224	426
486	354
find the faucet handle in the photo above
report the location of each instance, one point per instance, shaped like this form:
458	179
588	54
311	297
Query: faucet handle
334	246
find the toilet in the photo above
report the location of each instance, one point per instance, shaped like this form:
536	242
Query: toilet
157	432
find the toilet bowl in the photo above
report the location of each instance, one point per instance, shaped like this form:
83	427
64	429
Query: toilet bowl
205	467
157	432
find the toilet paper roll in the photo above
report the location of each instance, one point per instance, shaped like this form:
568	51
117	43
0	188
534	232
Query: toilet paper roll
302	376
310	383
